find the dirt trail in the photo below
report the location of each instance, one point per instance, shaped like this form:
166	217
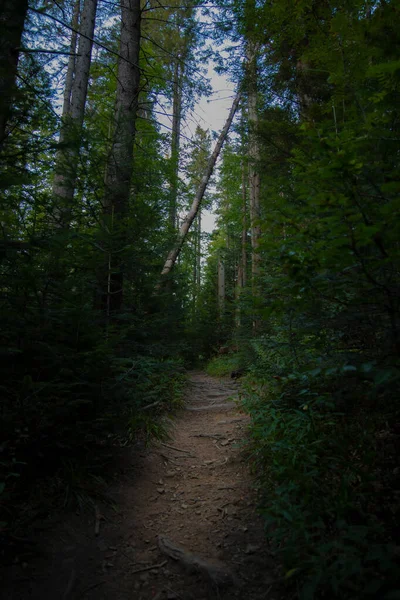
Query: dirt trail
193	492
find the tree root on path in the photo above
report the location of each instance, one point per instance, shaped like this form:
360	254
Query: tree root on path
226	406
177	449
215	573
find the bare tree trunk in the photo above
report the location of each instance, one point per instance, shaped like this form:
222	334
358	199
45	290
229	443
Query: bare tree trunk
172	256
197	262
12	19
254	156
69	78
243	281
242	267
221	287
175	142
73	114
120	160
198	256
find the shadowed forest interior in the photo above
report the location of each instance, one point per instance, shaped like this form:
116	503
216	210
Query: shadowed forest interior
112	289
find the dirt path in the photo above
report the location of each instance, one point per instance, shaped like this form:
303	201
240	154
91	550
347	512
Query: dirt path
190	495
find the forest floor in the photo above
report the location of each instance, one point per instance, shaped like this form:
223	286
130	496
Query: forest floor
182	524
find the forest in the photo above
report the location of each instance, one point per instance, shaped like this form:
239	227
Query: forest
111	289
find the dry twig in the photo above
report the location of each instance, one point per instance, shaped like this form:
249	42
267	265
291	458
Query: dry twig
150	567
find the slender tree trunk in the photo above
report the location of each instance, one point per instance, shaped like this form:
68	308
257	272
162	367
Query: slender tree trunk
175	142
174	253
198	256
254	156
69	78
12	19
243	281
73	115
221	287
119	167
242	267
194	280
197	262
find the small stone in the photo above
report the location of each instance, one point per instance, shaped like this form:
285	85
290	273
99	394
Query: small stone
161	490
252	548
184	506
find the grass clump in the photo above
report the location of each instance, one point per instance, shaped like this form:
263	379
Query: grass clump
221	366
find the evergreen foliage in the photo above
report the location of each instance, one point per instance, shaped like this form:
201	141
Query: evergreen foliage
322	338
75	378
314	305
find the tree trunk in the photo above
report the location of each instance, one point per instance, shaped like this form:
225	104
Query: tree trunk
221	287
69	78
254	156
175	142
120	160
172	256
197	262
243	280
73	114
242	267
12	19
198	256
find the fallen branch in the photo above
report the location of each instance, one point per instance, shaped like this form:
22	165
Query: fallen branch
177	449
150	567
99	517
217	436
91	587
151	405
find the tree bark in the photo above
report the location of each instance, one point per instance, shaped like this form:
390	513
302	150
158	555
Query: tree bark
174	253
221	287
69	78
242	267
119	167
12	19
254	156
196	262
243	280
198	256
175	142
73	115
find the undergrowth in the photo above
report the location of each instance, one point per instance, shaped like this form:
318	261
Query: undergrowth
58	450
220	366
324	451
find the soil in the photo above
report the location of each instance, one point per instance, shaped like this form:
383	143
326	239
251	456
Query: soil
191	497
